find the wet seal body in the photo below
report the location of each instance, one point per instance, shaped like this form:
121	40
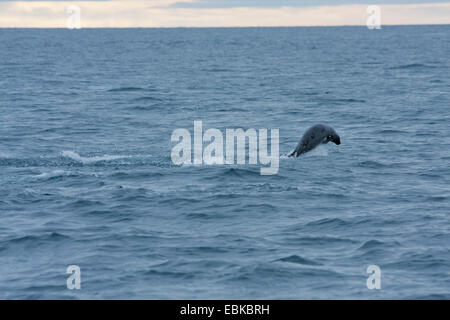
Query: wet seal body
314	136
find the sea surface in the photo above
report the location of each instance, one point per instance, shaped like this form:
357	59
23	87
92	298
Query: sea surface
86	176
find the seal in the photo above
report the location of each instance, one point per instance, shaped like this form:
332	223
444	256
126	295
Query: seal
314	136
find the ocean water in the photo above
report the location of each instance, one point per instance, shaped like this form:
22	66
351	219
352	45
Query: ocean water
86	176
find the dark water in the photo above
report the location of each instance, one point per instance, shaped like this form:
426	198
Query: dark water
86	176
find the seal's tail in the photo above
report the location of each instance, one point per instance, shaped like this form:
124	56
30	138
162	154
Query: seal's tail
292	154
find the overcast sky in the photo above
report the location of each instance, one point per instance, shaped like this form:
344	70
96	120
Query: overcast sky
219	13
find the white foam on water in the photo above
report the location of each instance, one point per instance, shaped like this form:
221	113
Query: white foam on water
4	155
86	160
51	174
286	156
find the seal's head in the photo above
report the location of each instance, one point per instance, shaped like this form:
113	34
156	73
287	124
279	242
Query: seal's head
334	137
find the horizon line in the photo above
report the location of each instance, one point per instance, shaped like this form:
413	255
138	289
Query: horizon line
239	27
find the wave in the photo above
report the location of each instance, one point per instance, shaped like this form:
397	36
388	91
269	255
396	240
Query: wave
279	273
147	98
372	244
375	248
136	175
341	100
411	66
389	131
125	89
241	172
299	260
431	296
153	106
348	100
5	155
36	240
263	207
437	198
328	223
72	158
216	70
52	174
317	241
371	164
87	160
420	262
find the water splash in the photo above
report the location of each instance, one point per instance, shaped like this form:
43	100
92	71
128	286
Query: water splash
87	160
